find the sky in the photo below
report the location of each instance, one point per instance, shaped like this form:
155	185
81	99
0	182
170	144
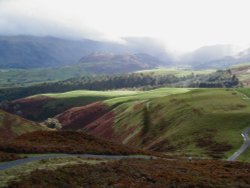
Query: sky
181	25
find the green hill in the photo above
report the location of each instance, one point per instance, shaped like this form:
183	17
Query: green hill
200	122
196	122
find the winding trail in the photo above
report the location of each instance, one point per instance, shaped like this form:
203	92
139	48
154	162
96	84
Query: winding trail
11	164
244	146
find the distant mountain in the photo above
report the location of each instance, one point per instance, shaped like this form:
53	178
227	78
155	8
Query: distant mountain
207	54
39	52
103	63
222	63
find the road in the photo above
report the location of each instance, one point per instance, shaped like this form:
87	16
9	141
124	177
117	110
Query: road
244	146
11	164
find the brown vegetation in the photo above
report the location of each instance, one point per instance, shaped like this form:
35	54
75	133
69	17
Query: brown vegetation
142	173
12	126
65	142
213	148
8	156
78	117
30	108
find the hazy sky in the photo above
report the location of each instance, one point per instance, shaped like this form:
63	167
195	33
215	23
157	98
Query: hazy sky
180	24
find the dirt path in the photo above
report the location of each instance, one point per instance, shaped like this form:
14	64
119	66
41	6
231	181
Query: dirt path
244	146
11	164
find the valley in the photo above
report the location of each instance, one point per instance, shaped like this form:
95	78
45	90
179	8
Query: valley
124	94
116	112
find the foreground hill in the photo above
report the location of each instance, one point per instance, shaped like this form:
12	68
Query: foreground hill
8	156
64	142
205	122
141	173
12	126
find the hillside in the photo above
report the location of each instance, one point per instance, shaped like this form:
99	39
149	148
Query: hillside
200	122
110	63
40	107
141	173
12	126
8	157
65	142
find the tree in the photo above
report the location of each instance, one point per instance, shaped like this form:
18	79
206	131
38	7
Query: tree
53	123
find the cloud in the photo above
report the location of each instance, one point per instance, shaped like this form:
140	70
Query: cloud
181	25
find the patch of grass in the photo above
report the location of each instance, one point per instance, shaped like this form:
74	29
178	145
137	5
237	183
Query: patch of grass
245	156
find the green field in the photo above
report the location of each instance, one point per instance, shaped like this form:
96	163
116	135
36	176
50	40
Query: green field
87	93
24	77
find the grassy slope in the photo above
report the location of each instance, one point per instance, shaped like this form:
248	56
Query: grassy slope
55	103
12	125
82	97
179	121
177	118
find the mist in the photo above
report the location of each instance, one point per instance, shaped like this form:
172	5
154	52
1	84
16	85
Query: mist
180	26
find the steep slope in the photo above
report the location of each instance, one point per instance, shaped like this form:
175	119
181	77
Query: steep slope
40	107
203	122
74	118
12	126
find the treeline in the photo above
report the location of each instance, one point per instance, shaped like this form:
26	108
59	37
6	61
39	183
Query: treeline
219	79
135	80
